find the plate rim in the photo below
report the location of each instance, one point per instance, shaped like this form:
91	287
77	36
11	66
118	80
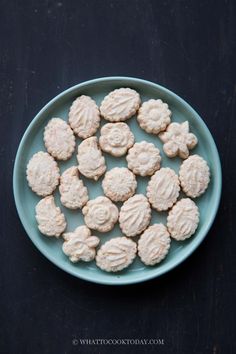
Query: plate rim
119	281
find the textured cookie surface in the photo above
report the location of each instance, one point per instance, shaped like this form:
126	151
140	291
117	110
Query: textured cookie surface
116	254
51	221
100	214
90	159
80	245
163	189
194	175
144	158
177	140
135	215
42	173
154	116
119	184
84	117
59	139
73	192
183	219
154	244
120	104
116	138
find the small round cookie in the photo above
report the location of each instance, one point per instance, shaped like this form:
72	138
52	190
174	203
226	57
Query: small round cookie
154	244
194	176
116	254
59	139
177	140
163	189
143	158
183	219
116	138
135	215
154	116
42	173
120	104
74	194
79	245
51	221
90	159
100	214
84	117
119	184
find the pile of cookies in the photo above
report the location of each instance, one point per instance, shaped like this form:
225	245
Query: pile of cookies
119	184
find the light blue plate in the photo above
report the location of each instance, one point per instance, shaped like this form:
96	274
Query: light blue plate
32	142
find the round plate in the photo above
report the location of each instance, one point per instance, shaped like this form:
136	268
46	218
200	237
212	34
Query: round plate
32	142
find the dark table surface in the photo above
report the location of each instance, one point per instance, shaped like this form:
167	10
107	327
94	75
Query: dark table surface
187	46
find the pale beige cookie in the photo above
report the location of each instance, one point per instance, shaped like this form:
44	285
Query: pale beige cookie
51	221
194	176
120	104
163	189
154	116
116	254
154	244
79	245
84	117
90	159
135	215
119	184
42	174
183	219
143	158
74	194
177	140
116	138
100	214
59	139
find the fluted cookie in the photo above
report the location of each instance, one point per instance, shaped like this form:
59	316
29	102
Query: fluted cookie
154	244
143	158
183	219
80	245
163	189
116	254
120	104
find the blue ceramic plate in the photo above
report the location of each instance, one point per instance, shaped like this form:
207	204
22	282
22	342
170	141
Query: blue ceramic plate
32	142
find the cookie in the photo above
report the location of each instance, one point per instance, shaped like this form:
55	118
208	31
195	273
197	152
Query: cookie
100	214
42	174
79	245
116	138
74	194
143	158
119	184
194	176
51	221
183	219
59	139
177	140
120	104
163	189
135	215
154	244
90	159
154	116
84	117
116	254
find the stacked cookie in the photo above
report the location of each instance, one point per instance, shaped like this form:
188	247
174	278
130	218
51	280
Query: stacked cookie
151	242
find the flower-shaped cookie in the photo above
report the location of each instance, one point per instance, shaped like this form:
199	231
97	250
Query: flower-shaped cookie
79	245
116	138
143	158
100	214
154	116
177	140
